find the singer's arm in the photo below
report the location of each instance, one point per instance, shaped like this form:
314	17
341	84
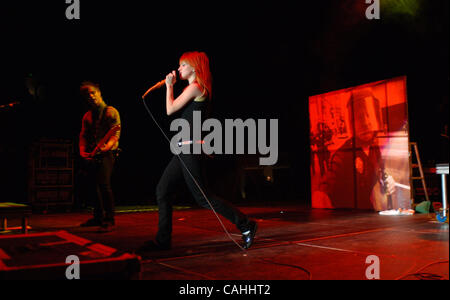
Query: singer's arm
173	105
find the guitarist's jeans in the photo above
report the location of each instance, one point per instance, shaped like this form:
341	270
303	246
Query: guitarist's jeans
173	175
104	204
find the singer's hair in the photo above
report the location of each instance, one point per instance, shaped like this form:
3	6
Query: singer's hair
200	62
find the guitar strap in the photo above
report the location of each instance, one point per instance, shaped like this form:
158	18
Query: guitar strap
98	123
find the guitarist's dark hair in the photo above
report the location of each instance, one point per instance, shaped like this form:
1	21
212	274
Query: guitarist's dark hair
85	84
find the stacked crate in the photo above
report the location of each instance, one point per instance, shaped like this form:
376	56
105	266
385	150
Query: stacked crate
51	180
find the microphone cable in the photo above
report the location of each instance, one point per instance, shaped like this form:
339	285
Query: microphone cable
212	208
192	177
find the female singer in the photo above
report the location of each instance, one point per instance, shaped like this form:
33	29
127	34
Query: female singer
194	67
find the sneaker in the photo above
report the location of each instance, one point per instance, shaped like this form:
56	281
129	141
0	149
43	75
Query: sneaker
249	235
391	212
92	223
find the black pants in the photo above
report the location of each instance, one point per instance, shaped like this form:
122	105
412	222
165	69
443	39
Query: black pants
100	176
173	175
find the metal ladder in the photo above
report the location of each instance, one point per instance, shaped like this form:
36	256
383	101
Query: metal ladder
418	164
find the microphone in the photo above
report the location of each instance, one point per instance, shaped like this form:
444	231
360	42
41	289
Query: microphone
156	86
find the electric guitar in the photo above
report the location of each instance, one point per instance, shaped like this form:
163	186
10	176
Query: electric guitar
94	154
380	196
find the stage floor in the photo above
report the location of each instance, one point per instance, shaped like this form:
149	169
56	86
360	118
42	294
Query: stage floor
292	243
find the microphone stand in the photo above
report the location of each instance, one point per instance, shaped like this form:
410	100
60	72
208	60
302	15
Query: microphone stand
9	105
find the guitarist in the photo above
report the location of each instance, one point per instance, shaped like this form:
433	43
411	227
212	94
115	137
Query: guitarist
100	153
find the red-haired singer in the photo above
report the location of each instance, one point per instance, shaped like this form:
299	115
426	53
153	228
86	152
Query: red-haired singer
194	67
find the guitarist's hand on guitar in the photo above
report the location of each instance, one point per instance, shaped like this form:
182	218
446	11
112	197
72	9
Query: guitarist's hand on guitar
104	148
104	145
107	146
85	155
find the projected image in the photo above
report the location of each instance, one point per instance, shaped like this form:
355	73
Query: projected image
359	147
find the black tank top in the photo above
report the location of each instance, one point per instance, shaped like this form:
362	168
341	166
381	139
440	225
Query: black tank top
191	107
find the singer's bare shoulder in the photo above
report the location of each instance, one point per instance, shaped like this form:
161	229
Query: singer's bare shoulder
191	92
193	89
193	85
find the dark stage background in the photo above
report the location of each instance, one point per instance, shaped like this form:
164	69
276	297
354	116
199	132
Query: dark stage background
267	58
